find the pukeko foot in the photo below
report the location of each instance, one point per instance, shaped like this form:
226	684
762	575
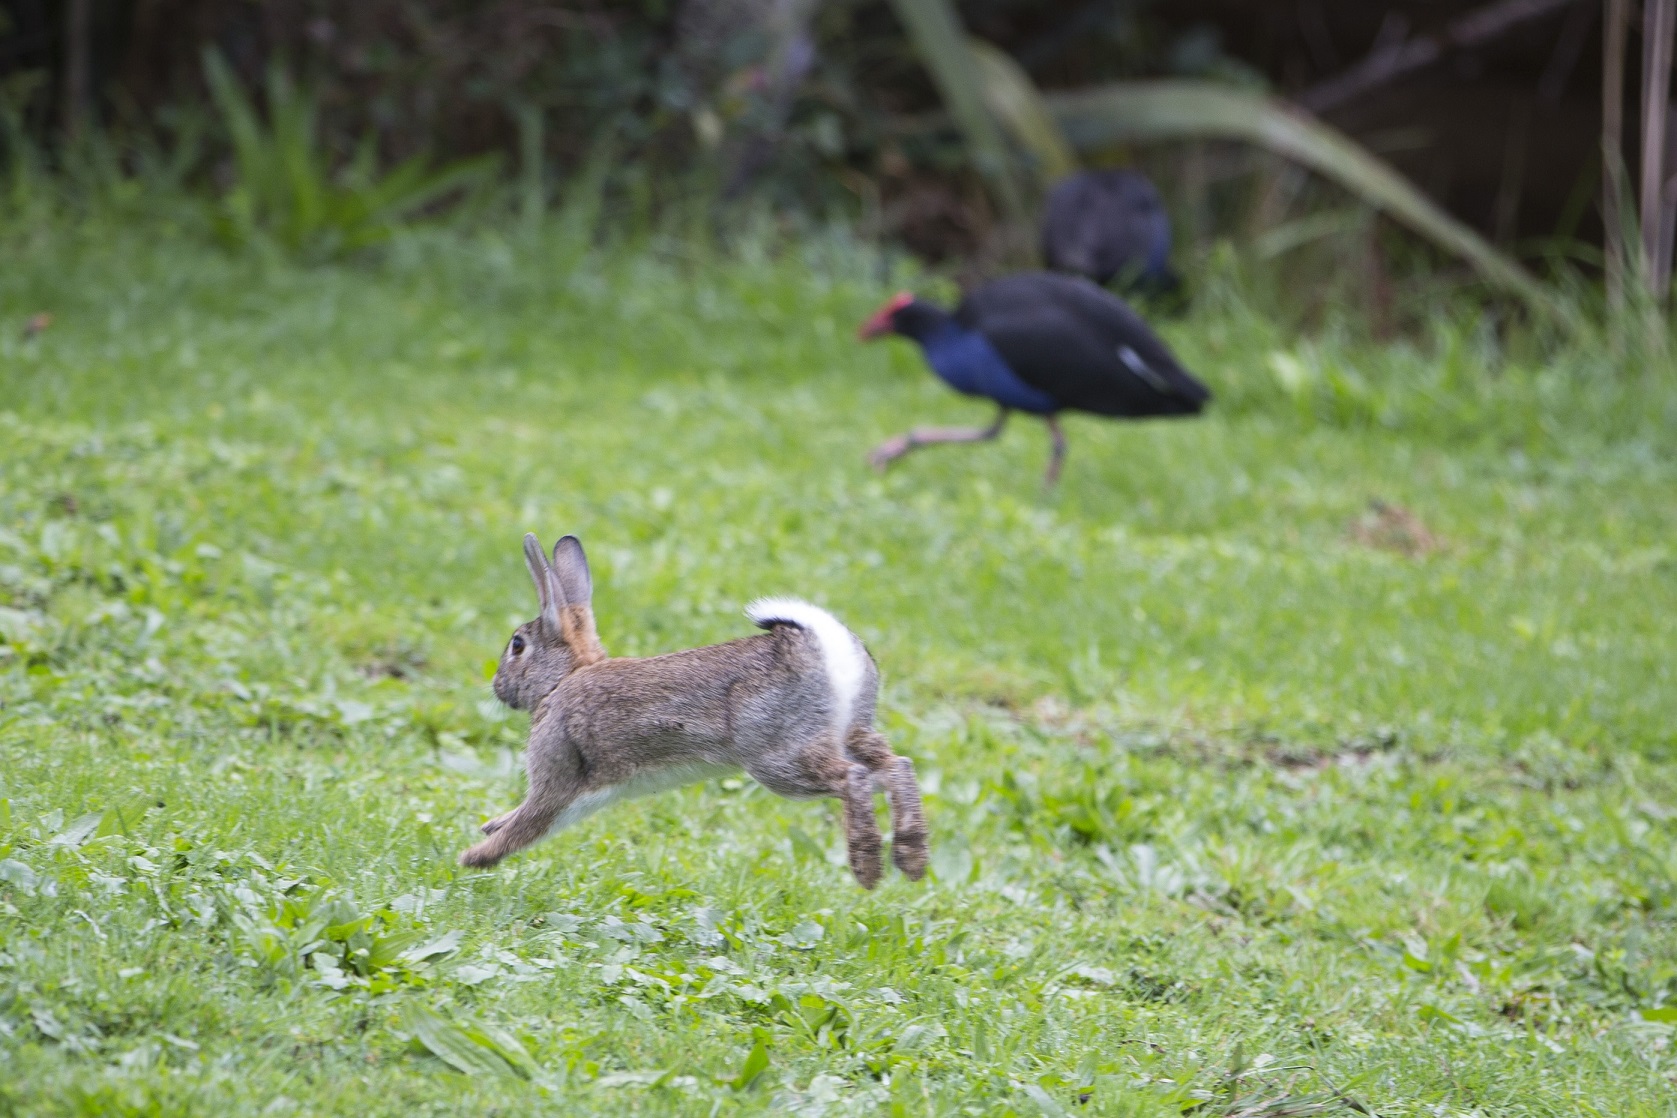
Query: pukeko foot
1108	225
1039	343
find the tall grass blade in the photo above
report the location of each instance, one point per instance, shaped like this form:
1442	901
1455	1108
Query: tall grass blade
943	46
1123	112
411	187
250	149
584	198
303	180
287	191
19	157
1014	99
532	179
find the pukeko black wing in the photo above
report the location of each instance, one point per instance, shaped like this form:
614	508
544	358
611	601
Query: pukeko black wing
1082	345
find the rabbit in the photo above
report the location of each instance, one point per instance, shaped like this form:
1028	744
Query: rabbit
793	707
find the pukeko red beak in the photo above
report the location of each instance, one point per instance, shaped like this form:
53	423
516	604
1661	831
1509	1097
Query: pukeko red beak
880	322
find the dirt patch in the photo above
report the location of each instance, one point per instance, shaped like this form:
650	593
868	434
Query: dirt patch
1296	756
1388	527
396	660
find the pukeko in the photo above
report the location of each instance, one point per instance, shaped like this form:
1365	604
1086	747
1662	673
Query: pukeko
1040	343
1109	225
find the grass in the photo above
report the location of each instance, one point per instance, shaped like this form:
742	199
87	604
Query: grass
1247	797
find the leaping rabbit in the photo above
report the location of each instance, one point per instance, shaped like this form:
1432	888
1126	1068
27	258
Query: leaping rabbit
793	707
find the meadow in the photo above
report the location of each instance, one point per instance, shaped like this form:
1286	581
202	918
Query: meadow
1317	756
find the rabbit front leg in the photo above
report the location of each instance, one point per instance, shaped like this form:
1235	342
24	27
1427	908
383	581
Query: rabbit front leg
556	783
525	825
491	826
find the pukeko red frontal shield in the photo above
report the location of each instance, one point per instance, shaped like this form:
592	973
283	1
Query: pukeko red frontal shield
1040	343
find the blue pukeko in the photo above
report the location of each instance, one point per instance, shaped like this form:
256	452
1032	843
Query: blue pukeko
1109	225
1041	343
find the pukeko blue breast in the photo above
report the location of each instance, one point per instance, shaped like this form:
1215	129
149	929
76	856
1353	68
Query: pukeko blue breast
965	360
1040	343
1109	225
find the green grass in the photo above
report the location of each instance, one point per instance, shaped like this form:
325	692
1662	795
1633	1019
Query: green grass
1233	811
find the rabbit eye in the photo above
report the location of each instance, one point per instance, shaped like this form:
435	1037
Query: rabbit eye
517	646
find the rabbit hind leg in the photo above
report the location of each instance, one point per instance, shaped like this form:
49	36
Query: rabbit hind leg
895	775
861	829
823	774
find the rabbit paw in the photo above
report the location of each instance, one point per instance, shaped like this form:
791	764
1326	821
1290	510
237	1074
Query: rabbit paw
483	854
908	853
864	862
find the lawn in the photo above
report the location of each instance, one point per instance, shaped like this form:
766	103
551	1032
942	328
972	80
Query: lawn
1316	756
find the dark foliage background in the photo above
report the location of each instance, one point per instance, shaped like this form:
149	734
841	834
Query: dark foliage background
1504	136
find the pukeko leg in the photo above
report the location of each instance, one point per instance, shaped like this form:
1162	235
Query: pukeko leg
1059	456
892	449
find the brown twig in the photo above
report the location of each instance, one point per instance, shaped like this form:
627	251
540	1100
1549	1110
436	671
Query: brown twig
1506	212
1569	48
78	19
1613	36
1390	61
1659	21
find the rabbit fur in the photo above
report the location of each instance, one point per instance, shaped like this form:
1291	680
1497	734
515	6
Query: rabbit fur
793	707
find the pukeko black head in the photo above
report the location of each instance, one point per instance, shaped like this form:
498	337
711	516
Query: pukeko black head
1040	343
1109	225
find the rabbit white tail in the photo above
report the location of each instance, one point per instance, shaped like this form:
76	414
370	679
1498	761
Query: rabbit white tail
841	651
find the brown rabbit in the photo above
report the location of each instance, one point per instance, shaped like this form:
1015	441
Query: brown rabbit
793	707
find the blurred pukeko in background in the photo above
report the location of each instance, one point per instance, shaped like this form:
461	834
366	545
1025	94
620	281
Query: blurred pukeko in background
1109	225
1040	343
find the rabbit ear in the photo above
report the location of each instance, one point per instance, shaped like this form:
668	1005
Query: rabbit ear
542	576
570	572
